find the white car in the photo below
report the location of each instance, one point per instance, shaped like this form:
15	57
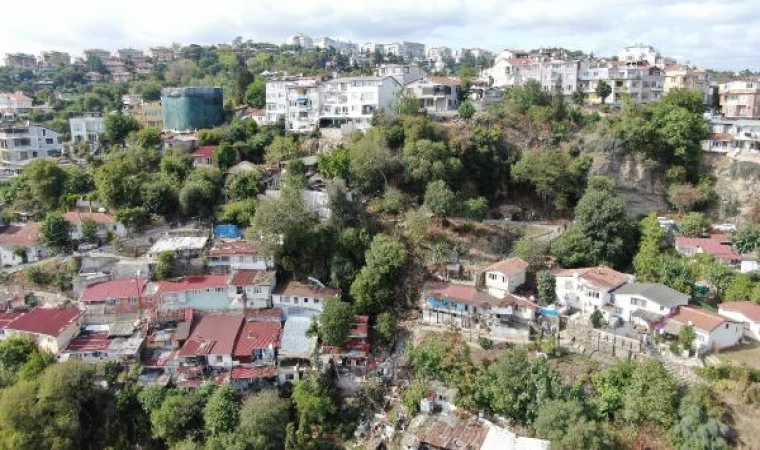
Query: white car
725	227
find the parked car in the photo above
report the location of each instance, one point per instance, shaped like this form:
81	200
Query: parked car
725	227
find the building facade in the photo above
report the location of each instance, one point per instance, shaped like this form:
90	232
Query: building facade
14	106
740	99
20	143
87	128
192	108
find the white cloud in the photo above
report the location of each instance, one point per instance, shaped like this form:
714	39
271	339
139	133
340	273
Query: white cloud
712	33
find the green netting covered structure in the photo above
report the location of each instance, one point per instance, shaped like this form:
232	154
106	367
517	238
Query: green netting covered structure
193	107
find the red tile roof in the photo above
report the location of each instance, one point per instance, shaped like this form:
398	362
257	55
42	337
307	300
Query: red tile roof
253	278
76	218
89	342
8	317
207	151
253	372
360	327
192	283
214	334
750	310
460	293
116	289
446	81
512	300
701	319
24	236
461	436
45	321
601	276
274	314
711	246
510	266
257	335
233	247
294	288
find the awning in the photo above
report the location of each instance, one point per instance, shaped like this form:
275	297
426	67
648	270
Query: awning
647	316
672	328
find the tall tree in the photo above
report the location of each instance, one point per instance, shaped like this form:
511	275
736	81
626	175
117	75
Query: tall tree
119	125
55	233
263	418
335	322
603	90
649	258
375	287
221	411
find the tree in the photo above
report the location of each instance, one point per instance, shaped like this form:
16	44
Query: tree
263	419
133	218
374	287
746	239
369	158
255	93
221	411
225	155
580	96
313	403
597	319
148	137
55	233
475	208
531	251
651	396
179	417
603	90
15	352
425	161
244	185
546	286
466	110
164	266
335	164
89	231
694	225
648	260
610	387
687	336
409	105
119	125
35	365
335	322
283	149
439	198
572	249
699	425
386	326
45	181
689	99
564	423
416	224
177	165
239	212
150	91
556	176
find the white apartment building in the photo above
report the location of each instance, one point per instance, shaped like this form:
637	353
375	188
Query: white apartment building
436	94
403	73
552	74
87	128
642	83
353	101
733	136
165	54
300	40
436	53
303	106
371	47
740	99
276	95
340	46
20	143
14	106
641	53
646	303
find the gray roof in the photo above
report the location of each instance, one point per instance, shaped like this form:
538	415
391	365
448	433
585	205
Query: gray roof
295	342
656	292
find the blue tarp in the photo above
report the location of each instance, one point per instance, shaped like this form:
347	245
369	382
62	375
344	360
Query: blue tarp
228	231
549	312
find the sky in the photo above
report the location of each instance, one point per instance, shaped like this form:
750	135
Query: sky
717	34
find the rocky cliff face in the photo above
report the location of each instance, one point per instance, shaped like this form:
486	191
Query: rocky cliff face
738	183
638	181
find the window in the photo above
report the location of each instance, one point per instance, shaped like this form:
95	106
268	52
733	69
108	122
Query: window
111	301
132	300
492	276
290	376
305	300
218	358
316	301
638	302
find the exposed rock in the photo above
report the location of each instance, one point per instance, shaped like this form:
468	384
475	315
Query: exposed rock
737	182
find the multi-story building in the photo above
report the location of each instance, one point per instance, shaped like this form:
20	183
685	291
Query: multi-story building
412	50
165	54
588	289
436	53
53	58
340	46
353	101
685	77
87	128
733	136
276	95
369	48
640	83
22	142
192	107
553	74
300	40
14	106
303	106
740	99
149	114
403	73
640	53
21	60
97	53
436	94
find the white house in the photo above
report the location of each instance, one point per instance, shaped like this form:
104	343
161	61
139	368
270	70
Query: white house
255	287
746	313
238	254
713	331
436	94
14	106
504	276
588	289
300	299
300	40
276	95
20	143
353	101
750	263
50	328
641	53
645	303
180	246
20	244
88	128
106	223
403	73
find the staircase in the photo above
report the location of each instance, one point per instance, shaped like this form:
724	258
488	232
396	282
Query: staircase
684	374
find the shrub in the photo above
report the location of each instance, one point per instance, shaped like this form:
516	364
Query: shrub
675	348
485	343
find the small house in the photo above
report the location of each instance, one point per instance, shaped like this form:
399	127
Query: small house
20	244
258	343
504	276
713	331
746	313
106	224
212	341
50	328
253	288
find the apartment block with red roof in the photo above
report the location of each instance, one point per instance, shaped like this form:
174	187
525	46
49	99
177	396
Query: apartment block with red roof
20	244
115	298
747	313
589	288
206	293
212	341
51	328
257	343
106	223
